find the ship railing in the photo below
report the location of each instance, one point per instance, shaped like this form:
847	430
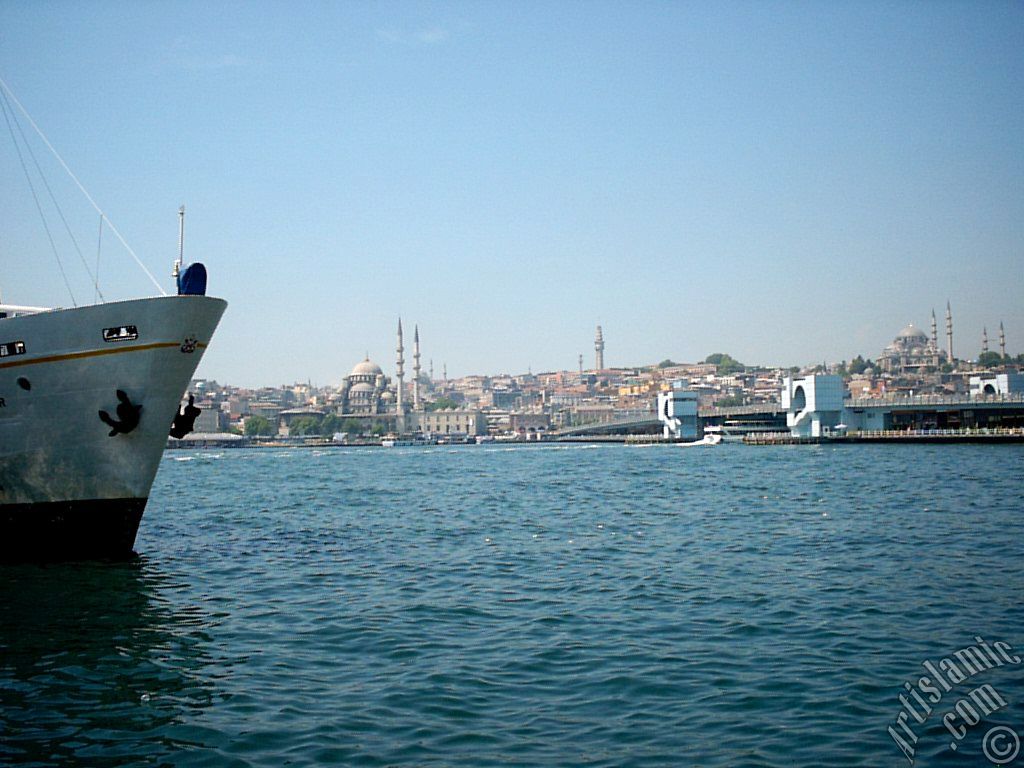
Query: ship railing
957	399
13	310
961	432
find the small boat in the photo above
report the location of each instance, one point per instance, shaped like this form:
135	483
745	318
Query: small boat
712	436
391	441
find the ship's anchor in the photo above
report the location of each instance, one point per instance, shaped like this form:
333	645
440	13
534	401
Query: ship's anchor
185	420
127	416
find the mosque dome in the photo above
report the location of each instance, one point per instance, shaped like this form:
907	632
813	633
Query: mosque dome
910	332
366	368
361	388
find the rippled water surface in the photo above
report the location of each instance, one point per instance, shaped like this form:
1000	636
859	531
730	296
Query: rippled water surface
481	606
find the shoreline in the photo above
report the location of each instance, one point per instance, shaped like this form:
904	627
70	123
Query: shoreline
941	437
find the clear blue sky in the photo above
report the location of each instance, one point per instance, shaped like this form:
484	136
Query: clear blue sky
786	182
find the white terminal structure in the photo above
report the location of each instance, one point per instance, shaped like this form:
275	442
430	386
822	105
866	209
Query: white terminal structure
677	409
815	405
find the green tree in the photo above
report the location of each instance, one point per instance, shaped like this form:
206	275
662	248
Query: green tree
990	359
305	425
729	401
332	423
666	363
352	426
442	404
725	364
258	425
858	365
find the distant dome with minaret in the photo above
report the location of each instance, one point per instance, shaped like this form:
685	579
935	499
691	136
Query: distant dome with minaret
911	332
365	368
362	391
911	351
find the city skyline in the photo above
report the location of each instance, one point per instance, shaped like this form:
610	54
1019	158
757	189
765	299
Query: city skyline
939	342
785	184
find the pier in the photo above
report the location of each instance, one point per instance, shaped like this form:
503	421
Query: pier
934	436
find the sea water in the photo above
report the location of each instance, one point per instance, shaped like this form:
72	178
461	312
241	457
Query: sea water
533	606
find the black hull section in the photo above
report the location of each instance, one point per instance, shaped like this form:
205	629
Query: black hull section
70	530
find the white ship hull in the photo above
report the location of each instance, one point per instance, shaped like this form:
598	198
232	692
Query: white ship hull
68	488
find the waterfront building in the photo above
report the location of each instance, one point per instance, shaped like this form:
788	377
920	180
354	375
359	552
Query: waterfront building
451	422
815	407
268	411
288	417
999	384
677	410
813	404
210	418
525	423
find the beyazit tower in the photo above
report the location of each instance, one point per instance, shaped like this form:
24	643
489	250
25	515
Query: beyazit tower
599	350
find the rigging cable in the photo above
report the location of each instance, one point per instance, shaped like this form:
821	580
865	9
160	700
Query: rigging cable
99	245
32	187
60	212
74	178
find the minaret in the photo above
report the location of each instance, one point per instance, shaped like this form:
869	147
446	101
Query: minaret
581	364
935	333
400	376
949	332
599	349
984	339
416	368
1002	340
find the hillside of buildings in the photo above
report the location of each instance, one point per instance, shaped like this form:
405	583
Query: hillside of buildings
369	401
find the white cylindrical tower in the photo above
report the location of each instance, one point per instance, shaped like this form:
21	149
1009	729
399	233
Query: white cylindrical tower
400	373
949	332
416	369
